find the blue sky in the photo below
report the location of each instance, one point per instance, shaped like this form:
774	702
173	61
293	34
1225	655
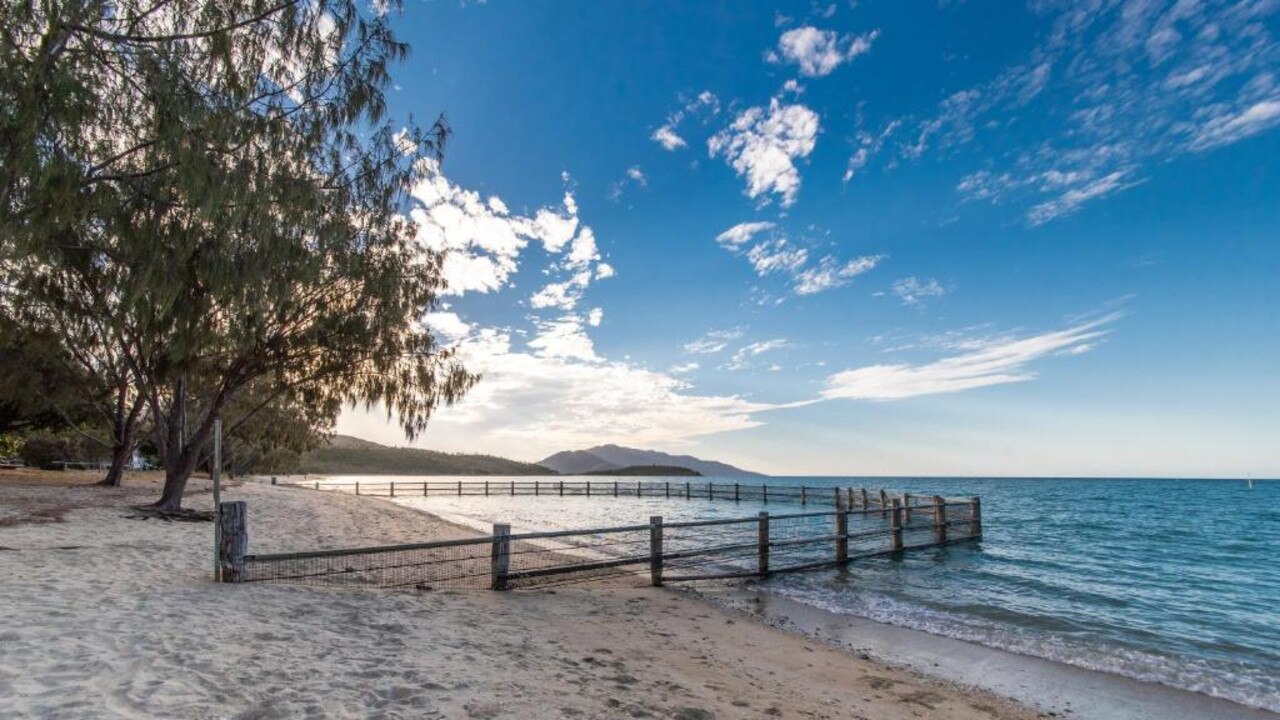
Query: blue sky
858	238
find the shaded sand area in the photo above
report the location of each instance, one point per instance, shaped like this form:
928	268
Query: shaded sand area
102	615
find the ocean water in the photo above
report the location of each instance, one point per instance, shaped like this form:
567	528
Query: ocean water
1170	581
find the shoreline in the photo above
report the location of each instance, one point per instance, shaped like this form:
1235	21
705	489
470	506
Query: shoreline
1047	685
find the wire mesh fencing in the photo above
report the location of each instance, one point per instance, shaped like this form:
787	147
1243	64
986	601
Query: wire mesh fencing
652	553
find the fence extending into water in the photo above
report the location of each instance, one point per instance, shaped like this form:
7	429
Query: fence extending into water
859	524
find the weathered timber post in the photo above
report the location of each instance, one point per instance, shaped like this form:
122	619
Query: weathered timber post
273	479
668	489
939	520
317	484
764	493
486	488
639	489
513	488
588	488
393	488
895	527
501	563
687	496
561	488
233	540
906	508
459	488
711	493
865	500
536	488
842	531
848	499
803	499
424	488
655	550
357	487
975	517
884	503
762	541
615	488
736	496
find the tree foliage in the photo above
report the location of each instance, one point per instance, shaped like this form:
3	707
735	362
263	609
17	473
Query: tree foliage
213	187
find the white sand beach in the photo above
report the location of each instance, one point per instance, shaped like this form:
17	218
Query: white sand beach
106	616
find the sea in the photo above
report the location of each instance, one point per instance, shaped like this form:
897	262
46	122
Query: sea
1170	581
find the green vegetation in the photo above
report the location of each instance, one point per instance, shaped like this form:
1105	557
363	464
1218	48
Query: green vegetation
350	456
202	202
649	471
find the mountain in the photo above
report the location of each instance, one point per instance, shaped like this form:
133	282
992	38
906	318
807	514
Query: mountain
614	457
346	455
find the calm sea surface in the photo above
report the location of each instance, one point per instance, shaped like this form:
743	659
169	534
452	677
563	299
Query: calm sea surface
1173	581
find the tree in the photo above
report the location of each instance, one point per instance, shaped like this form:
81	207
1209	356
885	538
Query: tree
222	175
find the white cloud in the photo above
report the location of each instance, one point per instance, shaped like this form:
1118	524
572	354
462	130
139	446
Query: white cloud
564	337
1232	126
911	291
683	368
666	137
776	254
712	342
447	324
831	273
987	363
705	104
742	233
635	173
742	357
819	52
595	316
1071	200
762	145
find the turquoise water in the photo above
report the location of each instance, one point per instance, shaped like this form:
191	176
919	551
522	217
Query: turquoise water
1171	581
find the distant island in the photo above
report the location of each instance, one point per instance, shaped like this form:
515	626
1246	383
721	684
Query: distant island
347	455
611	459
649	471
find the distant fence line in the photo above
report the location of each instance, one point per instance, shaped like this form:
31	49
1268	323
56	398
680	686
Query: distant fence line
861	524
687	489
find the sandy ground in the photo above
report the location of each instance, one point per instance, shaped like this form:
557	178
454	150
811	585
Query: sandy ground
103	615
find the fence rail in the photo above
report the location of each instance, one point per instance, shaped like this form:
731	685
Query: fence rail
657	552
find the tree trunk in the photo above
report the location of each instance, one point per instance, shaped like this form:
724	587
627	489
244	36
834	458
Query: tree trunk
120	457
122	445
176	476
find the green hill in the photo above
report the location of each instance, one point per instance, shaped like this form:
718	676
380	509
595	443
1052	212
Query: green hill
345	455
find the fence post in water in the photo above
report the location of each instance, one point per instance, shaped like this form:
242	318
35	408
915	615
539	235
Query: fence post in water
803	499
639	489
736	496
615	488
424	488
884	503
764	493
233	540
763	542
711	495
939	519
459	488
842	531
536	488
513	488
686	490
655	550
848	498
906	509
864	499
501	555
486	488
668	488
975	517
895	527
561	488
317	484
393	488
588	488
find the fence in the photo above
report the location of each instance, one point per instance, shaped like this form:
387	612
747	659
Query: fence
656	552
688	490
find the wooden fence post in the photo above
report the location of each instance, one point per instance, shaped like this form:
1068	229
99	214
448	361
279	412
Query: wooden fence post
501	556
668	489
459	488
655	550
536	488
848	498
486	488
803	499
513	488
764	493
762	541
615	488
975	517
906	509
561	488
317	484
393	488
865	504
895	527
686	490
233	540
884	503
588	488
939	520
711	493
842	531
639	489
424	488
357	487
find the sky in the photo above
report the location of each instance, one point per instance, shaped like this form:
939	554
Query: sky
871	238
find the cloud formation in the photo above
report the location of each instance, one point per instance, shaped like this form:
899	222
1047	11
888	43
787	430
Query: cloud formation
770	252
819	52
763	144
984	363
911	291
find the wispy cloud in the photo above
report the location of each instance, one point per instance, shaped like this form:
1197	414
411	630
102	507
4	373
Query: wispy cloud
763	144
712	342
819	52
771	252
705	104
743	355
993	362
913	291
